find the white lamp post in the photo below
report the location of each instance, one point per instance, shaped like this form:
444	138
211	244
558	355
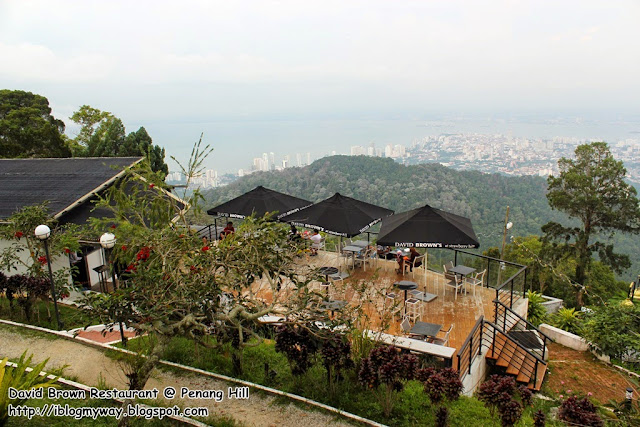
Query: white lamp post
43	232
108	241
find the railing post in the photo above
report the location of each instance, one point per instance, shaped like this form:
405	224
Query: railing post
493	347
504	323
470	352
489	273
480	336
524	287
511	302
459	363
535	373
544	346
455	257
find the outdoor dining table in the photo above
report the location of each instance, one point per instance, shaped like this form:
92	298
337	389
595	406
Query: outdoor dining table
333	305
361	243
425	329
354	250
423	296
463	271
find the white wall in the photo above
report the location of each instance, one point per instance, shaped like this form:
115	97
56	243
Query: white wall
58	261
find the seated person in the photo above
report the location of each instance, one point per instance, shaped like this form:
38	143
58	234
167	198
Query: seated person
293	234
229	228
406	259
316	239
384	252
413	254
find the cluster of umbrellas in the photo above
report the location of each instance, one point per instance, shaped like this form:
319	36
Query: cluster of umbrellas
424	227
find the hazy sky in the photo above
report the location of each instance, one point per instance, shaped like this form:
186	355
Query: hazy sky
180	68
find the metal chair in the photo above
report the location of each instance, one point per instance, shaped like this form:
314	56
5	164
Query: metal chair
457	284
477	280
418	262
445	339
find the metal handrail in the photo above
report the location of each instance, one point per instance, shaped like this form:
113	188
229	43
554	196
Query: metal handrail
511	278
490	258
523	319
468	345
514	341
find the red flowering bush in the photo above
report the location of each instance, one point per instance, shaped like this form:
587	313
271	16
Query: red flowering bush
42	260
18	234
143	254
205	248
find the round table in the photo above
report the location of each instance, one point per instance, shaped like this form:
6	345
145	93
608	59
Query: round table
405	285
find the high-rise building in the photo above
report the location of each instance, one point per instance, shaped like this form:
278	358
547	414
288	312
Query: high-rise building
308	158
299	159
272	161
265	162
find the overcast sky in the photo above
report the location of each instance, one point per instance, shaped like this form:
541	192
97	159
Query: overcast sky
167	63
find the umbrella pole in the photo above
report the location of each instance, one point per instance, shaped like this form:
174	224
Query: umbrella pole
426	265
338	251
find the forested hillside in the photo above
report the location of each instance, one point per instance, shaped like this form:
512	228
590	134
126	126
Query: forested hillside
482	197
479	196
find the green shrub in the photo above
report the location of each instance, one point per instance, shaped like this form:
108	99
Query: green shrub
536	314
18	378
567	319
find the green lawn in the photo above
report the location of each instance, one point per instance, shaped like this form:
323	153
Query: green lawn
71	317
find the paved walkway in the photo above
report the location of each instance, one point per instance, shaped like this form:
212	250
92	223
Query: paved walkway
87	364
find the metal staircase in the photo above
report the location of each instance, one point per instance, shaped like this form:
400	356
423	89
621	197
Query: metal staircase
517	346
511	343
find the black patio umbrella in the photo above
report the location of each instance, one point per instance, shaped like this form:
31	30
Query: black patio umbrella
339	215
259	201
427	227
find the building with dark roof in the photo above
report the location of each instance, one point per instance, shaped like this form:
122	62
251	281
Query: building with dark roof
69	185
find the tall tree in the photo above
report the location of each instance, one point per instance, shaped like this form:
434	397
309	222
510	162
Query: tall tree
104	135
140	143
89	119
27	128
591	189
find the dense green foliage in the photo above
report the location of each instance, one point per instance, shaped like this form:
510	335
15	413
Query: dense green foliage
591	188
103	135
613	328
27	128
413	405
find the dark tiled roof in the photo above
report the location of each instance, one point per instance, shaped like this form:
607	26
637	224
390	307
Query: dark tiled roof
61	182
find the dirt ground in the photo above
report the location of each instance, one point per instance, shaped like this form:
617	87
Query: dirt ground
580	372
87	364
